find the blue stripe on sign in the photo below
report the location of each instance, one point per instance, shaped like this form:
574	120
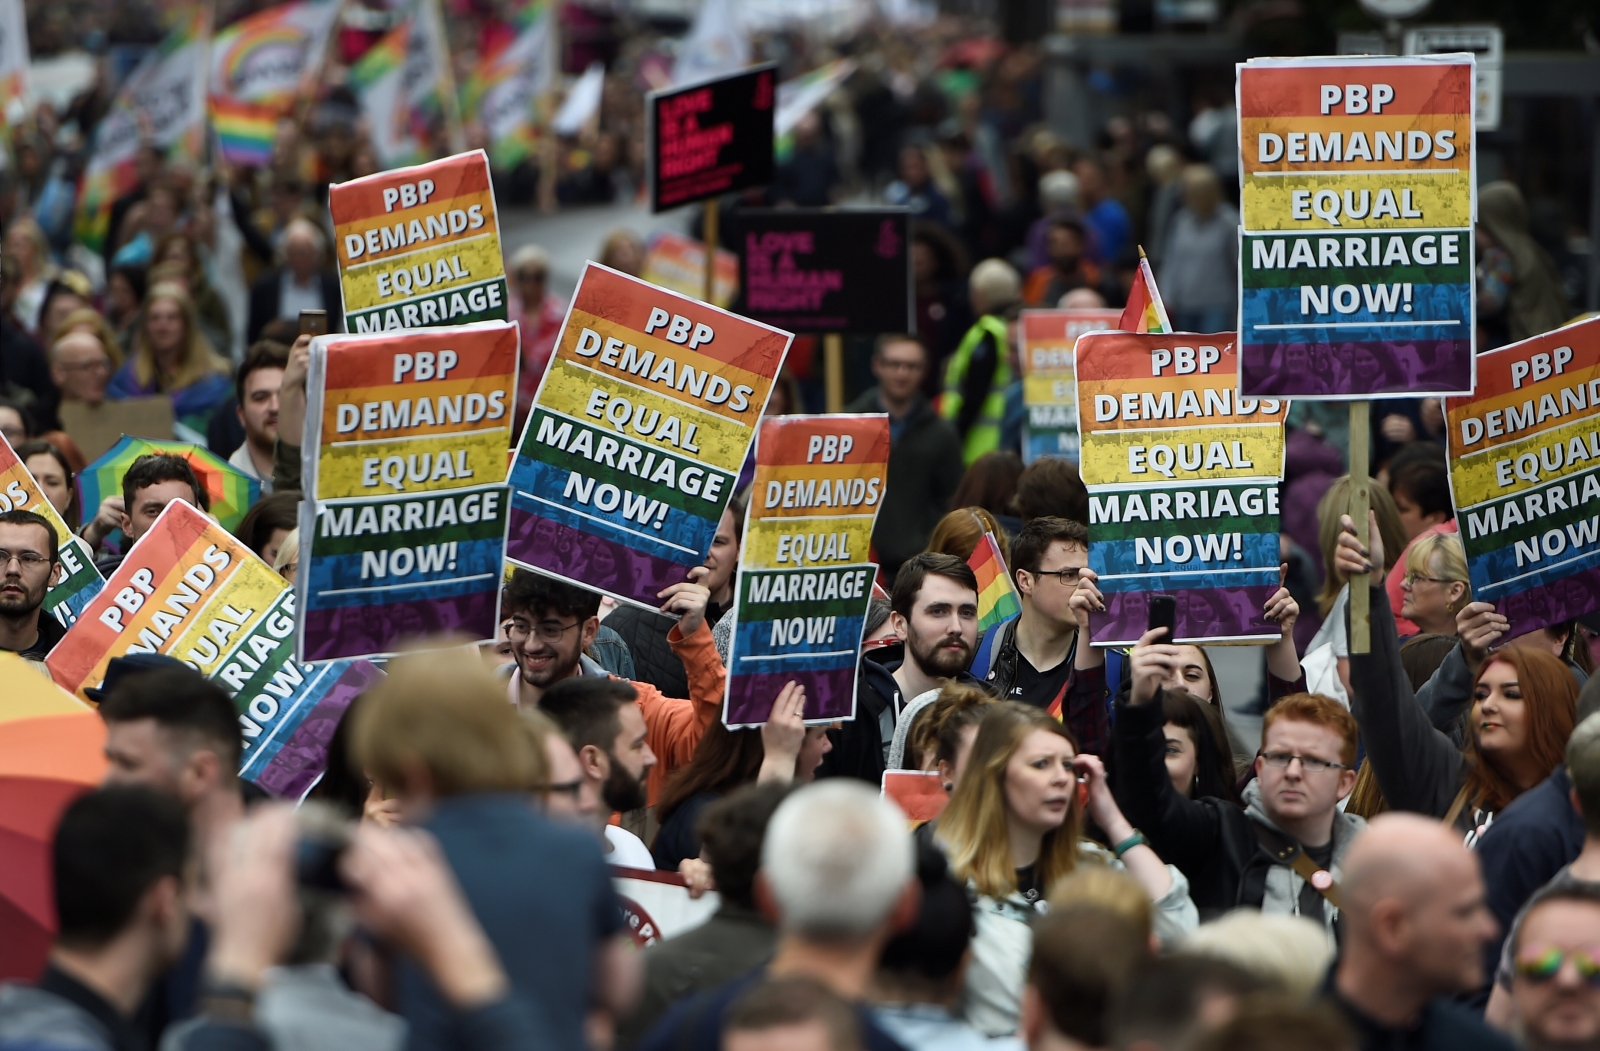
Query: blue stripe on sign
1110	557
1436	304
1167	582
542	489
1496	574
756	652
335	581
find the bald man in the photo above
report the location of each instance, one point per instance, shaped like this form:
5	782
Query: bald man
80	367
1415	924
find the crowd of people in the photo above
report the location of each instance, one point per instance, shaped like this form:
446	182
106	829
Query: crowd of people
1407	856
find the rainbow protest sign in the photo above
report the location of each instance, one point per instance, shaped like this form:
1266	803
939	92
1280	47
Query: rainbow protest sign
404	464
189	590
419	247
804	572
1356	264
77	580
1183	485
260	66
1525	477
637	435
1049	384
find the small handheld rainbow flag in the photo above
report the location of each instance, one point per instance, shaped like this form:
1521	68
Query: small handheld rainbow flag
997	596
1145	312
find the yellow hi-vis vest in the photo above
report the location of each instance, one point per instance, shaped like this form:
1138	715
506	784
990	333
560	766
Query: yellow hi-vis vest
984	435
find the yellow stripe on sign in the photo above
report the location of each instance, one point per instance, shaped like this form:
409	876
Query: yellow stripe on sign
1379	202
1189	454
644	415
1050	390
1536	460
423	466
425	272
787	543
231	614
808	490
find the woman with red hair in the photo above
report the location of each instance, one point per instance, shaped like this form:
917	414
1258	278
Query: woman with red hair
1523	709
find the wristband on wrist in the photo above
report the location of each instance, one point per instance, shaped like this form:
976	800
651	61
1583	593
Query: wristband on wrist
228	1001
1135	840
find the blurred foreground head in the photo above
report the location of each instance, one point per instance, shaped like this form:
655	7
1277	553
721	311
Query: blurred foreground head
438	725
837	864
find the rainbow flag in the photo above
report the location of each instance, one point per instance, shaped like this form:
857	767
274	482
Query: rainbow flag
503	93
244	131
1145	312
163	103
997	596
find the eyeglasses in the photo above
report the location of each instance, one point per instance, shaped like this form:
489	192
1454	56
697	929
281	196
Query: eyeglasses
1309	763
1412	578
84	366
29	559
1066	577
548	630
1547	964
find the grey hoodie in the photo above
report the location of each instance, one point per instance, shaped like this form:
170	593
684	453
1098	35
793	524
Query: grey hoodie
1283	882
37	1019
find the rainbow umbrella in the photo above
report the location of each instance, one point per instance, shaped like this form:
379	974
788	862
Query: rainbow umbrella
230	489
51	749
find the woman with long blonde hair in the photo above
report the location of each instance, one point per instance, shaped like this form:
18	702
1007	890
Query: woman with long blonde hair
172	356
1014	827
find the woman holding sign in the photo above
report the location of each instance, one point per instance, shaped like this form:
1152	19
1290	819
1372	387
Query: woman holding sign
1524	706
1014	826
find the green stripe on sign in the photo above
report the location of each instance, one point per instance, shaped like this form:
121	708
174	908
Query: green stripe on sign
344	529
601	454
804	593
486	302
1128	514
1291	261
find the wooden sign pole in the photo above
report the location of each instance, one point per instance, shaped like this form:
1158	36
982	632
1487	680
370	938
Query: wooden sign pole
709	230
1360	505
833	370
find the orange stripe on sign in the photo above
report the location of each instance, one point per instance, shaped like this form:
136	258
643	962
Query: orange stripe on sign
446	403
452	177
630	303
362	363
1358	144
1296	91
1124	356
787	440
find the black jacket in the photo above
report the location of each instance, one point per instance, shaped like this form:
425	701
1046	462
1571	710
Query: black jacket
25	377
646	633
925	466
1443	1026
264	299
861	746
1212	841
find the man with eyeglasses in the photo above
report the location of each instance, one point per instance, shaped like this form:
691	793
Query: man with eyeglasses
1282	851
27	562
1029	657
925	456
1555	971
552	623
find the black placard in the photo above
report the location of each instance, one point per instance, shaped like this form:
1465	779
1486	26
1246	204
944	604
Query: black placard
827	270
711	138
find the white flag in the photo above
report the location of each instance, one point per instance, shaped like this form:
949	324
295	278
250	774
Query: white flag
13	60
717	44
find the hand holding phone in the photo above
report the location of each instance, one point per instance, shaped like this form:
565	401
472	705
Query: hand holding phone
313	322
1164	614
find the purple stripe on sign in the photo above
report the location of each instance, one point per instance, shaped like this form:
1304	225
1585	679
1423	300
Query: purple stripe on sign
364	631
550	547
304	756
1204	614
1305	369
1553	603
829	694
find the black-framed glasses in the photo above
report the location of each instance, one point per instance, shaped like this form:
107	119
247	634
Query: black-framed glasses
1309	763
1413	577
28	559
1068	577
547	630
